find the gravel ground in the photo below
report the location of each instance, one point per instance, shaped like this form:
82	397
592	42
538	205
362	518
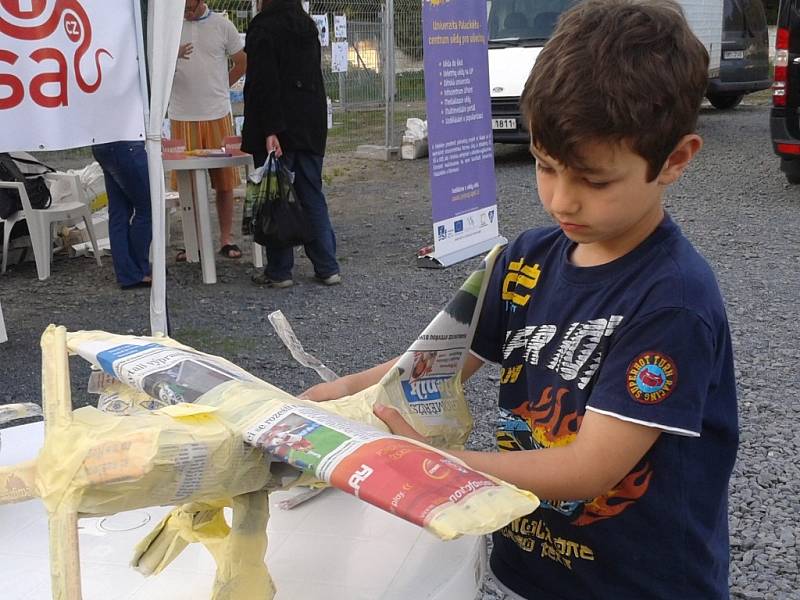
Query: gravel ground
733	204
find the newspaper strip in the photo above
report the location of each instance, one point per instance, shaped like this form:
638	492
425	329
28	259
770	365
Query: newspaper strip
411	480
167	373
425	383
287	336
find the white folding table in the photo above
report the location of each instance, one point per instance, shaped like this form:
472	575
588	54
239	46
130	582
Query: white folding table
333	547
195	214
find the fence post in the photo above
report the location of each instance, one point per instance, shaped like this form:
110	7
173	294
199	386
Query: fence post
389	73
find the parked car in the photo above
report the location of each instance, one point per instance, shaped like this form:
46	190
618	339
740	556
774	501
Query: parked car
733	31
744	64
784	125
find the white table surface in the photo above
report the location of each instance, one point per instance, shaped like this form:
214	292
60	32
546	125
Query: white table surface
195	214
332	547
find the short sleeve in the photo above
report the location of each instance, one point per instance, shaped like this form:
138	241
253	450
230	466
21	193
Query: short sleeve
658	372
233	41
488	341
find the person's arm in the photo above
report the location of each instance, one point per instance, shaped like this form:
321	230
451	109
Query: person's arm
263	105
238	68
604	451
355	382
348	384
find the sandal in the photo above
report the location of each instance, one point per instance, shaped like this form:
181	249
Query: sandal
231	251
181	255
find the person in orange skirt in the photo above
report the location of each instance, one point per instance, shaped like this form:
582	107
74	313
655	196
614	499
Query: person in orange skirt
200	108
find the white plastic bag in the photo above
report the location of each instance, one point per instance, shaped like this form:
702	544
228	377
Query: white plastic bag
416	129
415	139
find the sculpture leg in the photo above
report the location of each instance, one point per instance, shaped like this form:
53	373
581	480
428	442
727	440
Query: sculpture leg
242	574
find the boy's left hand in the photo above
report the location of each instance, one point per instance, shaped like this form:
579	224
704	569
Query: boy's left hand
396	423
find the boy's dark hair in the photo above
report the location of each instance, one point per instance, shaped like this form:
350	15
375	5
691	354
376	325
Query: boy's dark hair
617	71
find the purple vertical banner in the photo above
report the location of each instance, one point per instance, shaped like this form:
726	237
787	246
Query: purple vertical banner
461	158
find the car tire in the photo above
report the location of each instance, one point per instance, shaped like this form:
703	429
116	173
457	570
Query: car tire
725	101
791	168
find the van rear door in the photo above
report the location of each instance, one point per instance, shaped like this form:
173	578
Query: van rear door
784	125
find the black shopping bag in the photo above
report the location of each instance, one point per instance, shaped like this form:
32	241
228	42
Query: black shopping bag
278	219
35	185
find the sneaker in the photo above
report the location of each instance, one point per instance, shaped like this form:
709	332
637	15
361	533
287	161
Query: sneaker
334	279
262	279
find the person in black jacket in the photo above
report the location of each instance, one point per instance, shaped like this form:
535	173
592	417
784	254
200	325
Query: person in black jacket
285	112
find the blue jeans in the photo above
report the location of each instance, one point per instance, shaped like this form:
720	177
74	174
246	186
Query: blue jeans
130	228
307	169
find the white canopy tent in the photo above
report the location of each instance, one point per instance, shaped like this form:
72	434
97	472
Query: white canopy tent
27	26
164	23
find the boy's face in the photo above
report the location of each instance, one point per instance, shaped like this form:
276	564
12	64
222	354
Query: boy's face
607	206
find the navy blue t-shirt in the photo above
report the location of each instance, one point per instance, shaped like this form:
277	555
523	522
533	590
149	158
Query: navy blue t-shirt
644	339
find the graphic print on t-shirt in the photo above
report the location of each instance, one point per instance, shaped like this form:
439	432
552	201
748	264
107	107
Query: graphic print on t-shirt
642	339
553	421
651	377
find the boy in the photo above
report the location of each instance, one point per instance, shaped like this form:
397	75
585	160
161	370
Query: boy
610	329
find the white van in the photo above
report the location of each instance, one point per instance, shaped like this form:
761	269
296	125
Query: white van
518	29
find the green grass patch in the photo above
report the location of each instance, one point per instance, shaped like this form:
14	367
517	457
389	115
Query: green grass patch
211	342
352	128
364	85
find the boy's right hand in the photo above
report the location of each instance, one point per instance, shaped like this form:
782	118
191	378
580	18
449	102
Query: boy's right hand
329	390
348	384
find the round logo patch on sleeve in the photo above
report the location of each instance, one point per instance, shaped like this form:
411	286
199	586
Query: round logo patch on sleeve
651	377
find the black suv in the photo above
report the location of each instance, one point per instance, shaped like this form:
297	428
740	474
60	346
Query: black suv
783	118
744	61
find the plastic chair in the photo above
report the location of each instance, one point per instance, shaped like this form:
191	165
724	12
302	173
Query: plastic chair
172	202
8	225
41	222
3	335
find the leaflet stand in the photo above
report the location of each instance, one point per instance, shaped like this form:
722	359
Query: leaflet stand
434	260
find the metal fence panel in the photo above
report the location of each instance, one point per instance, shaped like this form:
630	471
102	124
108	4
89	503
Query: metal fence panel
383	82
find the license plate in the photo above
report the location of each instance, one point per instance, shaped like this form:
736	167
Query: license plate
504	123
733	54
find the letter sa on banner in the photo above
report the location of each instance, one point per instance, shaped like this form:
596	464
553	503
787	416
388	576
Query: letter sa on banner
69	74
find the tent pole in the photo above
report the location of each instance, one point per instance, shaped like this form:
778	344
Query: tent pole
158	308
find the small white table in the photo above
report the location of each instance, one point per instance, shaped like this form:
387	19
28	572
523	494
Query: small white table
195	216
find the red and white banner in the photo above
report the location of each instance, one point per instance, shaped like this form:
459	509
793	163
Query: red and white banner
69	74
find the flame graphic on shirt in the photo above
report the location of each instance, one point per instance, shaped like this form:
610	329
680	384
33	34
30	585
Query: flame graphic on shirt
626	492
554	424
550	424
